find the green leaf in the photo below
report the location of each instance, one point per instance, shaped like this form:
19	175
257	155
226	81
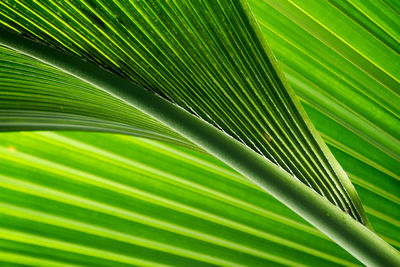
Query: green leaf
200	56
371	161
327	73
355	112
52	104
99	199
35	96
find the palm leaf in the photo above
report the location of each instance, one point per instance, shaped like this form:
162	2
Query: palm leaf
50	101
158	47
35	96
97	200
353	93
372	180
353	109
259	140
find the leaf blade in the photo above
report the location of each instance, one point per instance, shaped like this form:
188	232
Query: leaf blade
237	89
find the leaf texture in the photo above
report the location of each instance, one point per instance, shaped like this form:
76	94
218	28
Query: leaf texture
356	113
35	96
110	200
206	56
373	173
329	73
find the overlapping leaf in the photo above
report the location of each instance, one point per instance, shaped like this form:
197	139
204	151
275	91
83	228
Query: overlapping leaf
206	56
373	172
35	96
354	110
328	72
373	179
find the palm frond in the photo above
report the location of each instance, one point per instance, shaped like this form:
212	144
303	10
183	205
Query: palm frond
207	57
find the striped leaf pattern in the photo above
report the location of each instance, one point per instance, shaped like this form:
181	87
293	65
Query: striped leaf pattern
353	107
108	200
206	56
35	96
45	177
